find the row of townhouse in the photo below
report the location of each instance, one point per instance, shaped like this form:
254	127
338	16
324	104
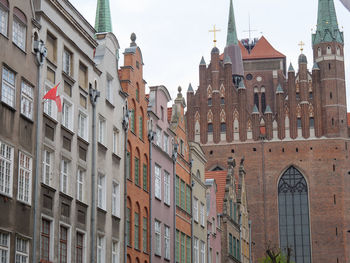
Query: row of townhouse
113	177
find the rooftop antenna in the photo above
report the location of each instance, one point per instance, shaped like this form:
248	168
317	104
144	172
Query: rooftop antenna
250	34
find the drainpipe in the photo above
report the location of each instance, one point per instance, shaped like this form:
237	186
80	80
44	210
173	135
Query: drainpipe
240	237
250	241
174	156
151	134
94	94
125	124
192	185
40	51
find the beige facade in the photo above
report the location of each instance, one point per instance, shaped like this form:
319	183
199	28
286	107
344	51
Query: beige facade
199	203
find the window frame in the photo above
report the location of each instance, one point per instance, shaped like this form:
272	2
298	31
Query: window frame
157	236
109	90
50	107
6	247
68	120
101	248
81	174
81	247
101	191
10	86
167	242
64	175
157	182
66	52
27	169
85	133
6	19
167	199
27	100
66	242
9	163
116	199
21	29
102	130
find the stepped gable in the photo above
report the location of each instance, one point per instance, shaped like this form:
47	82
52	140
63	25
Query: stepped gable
220	179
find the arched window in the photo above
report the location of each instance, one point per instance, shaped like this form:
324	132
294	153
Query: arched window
128	221
293	207
145	230
263	102
329	50
319	52
19	28
137	223
256	99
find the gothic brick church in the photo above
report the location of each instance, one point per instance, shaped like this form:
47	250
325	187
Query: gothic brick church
292	128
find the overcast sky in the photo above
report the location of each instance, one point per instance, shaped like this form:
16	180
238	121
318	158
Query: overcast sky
173	35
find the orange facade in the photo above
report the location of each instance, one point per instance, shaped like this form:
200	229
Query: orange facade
137	213
183	182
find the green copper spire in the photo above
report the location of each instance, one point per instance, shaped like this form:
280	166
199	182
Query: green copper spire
231	29
103	22
327	24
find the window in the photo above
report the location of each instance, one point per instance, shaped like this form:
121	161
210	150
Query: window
80	185
101	191
50	107
144	177
63	258
222	101
128	166
202	252
19	31
8	87
157	181
210	127
137	95
51	46
217	257
196	251
159	137
115	142
177	190
101	130
27	100
137	171
293	208
47	158
256	99
79	248
83	70
188	252
162	113
312	122
183	196
182	148
166	188
141	127
64	177
167	242
202	214
67	115
157	230
137	230
109	90
195	210
25	178
177	248
101	249
45	239
210	102
223	127
132	120
299	123
128	226
115	252
144	234
234	247
116	200
4	247
4	17
67	62
166	143
83	126
183	251
230	245
263	102
188	199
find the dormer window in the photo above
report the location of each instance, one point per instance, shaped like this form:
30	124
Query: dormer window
329	50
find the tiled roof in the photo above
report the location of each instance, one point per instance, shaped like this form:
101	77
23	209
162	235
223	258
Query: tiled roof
170	111
220	179
262	49
349	119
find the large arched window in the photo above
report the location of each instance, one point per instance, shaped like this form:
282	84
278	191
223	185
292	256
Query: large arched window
293	207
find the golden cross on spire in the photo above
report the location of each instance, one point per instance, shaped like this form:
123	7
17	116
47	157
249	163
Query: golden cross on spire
301	44
214	30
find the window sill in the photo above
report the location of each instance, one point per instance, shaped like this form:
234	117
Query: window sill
116	218
83	140
157	198
48	187
102	146
4	36
25	204
166	204
167	259
23	51
8	106
81	203
27	118
68	78
110	104
159	256
51	63
116	156
67	129
66	196
102	210
6	196
50	118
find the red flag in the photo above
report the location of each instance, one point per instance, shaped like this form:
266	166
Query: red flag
51	95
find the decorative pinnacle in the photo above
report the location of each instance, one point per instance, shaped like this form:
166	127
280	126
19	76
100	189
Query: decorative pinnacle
291	69
190	89
255	110
202	62
133	39
315	67
268	110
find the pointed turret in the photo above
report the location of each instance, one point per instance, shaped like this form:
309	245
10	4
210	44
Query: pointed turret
327	25
231	29
279	89
268	110
232	49
315	67
190	89
255	110
291	69
202	63
103	22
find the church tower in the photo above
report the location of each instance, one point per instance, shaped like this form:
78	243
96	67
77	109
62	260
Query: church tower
103	22
328	51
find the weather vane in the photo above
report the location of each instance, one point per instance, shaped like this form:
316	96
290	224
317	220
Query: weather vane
301	44
214	30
